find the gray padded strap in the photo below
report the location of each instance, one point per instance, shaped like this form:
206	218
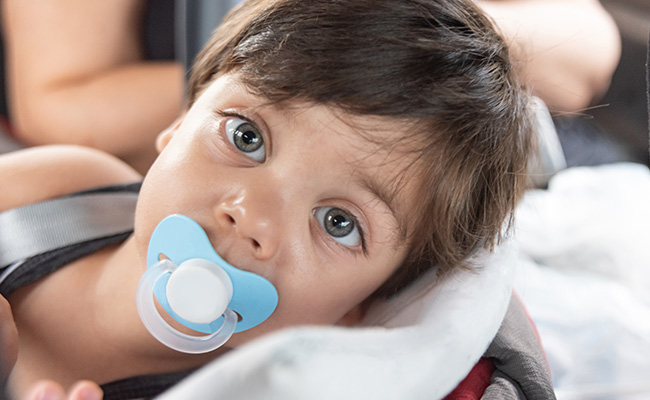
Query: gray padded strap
38	228
522	370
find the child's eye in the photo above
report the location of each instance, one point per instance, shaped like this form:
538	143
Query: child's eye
339	224
246	138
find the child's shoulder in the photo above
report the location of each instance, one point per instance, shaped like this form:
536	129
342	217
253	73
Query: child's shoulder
44	172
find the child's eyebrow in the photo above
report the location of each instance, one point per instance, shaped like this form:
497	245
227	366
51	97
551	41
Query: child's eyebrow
387	197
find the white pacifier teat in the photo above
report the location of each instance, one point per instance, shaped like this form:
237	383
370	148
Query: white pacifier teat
200	290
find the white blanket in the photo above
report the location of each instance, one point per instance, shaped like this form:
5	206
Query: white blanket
430	337
585	279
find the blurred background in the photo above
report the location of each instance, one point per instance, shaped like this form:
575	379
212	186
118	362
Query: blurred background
623	112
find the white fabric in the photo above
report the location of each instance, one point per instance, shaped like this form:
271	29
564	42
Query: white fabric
585	279
431	336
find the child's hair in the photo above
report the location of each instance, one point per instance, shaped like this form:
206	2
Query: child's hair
437	64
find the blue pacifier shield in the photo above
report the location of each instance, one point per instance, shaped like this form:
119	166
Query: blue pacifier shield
179	239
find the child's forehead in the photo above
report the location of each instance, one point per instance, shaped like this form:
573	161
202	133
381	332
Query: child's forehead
368	142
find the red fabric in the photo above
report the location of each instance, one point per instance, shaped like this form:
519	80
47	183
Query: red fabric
473	386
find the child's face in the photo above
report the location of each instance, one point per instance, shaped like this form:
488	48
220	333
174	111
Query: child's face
294	194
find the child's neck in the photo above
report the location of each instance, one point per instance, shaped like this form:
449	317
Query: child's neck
94	331
115	297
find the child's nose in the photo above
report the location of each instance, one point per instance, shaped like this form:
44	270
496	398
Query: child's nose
248	219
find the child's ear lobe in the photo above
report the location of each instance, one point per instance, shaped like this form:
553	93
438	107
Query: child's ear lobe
165	136
354	316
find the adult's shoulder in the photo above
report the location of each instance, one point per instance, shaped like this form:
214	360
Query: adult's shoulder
41	173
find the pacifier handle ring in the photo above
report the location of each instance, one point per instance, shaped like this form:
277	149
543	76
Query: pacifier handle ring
164	332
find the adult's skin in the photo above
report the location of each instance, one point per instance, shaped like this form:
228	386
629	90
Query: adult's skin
568	49
77	75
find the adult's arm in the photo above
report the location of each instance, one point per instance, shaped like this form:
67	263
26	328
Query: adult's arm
567	49
77	75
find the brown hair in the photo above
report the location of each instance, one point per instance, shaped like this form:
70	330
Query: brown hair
439	64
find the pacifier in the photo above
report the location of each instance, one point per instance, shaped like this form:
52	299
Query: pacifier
197	288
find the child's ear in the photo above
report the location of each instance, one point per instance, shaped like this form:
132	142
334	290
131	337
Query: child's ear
165	136
354	316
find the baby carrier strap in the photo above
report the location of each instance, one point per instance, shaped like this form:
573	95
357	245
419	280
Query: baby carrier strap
513	367
37	239
142	386
522	371
38	228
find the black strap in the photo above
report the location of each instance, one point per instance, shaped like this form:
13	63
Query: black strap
143	386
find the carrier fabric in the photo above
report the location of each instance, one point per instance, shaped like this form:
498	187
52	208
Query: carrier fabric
40	265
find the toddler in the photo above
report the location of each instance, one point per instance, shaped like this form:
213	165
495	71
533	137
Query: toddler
337	149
